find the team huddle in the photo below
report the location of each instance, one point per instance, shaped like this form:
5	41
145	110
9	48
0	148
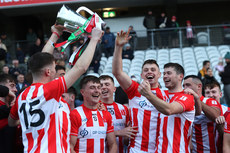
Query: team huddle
177	120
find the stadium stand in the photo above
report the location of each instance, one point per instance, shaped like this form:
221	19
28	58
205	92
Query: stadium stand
191	58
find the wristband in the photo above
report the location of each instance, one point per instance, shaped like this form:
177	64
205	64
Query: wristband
57	34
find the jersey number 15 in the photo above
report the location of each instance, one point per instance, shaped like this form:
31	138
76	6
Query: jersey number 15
32	112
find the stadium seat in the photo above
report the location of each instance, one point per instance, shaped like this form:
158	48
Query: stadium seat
201	49
223	47
202	38
211	48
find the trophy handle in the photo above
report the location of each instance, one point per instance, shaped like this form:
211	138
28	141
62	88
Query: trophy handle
85	9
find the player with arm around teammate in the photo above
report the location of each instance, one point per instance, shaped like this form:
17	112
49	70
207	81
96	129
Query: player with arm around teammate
142	113
204	127
177	113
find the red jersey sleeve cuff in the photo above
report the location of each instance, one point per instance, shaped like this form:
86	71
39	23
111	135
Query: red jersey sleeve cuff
74	134
227	131
182	104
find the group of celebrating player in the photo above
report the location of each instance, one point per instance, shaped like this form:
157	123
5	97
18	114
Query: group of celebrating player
179	120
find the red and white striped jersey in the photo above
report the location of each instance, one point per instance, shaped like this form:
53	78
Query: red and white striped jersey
145	116
90	126
44	117
176	129
120	115
227	122
224	109
204	130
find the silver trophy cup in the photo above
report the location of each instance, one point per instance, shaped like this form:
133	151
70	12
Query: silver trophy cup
71	20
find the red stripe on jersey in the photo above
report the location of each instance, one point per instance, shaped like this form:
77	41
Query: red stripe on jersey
35	93
117	111
90	146
199	138
52	135
100	119
165	139
135	123
64	131
146	125
40	136
211	136
186	137
102	148
158	130
25	93
30	141
121	148
177	134
89	117
127	114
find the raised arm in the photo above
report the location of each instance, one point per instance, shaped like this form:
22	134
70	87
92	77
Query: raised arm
56	33
124	80
83	62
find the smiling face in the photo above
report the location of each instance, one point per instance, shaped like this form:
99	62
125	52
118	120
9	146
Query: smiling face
214	93
107	89
171	78
151	73
91	92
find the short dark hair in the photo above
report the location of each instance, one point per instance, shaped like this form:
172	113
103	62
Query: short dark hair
105	77
193	77
212	85
39	61
177	67
87	79
72	90
59	67
150	61
205	62
5	77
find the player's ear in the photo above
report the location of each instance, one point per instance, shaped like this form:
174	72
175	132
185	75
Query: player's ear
82	91
47	71
72	96
114	90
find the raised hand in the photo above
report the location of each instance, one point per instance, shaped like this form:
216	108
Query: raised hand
122	38
96	34
144	88
57	29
